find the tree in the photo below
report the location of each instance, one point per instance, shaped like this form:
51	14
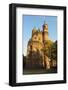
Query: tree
47	48
54	51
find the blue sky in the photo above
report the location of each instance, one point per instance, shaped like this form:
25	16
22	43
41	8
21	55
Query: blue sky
30	21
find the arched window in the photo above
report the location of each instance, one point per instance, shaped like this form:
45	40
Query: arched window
35	37
31	47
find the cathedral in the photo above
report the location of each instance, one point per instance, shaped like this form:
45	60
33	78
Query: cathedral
37	42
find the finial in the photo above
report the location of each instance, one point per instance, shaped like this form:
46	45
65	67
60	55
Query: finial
44	22
38	29
34	28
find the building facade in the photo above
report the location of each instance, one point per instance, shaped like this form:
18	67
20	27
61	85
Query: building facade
37	44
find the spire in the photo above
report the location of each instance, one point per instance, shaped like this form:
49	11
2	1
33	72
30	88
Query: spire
45	26
44	22
38	29
34	28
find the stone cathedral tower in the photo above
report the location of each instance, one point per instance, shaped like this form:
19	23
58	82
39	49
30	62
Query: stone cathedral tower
45	32
37	43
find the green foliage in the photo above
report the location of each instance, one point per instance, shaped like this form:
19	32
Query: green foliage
54	51
50	49
47	47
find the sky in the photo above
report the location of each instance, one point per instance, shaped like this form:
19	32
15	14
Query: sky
30	21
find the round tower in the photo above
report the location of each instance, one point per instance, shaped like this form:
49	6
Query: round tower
45	32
